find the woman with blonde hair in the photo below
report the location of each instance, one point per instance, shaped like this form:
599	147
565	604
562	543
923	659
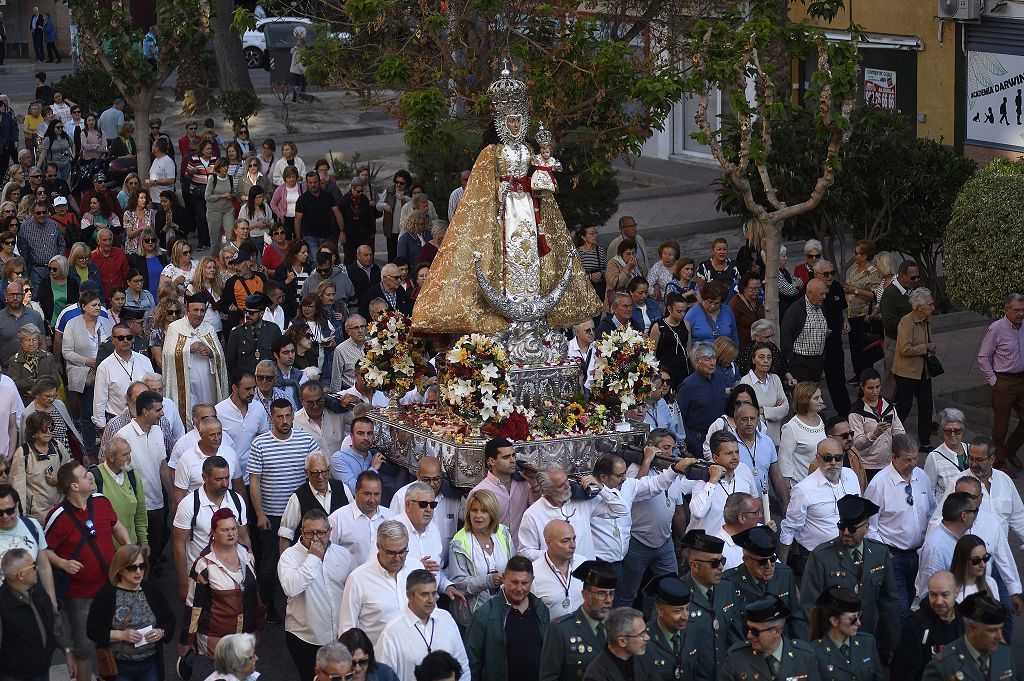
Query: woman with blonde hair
479	552
181	268
167	311
128	187
207	285
727	354
124	145
12	192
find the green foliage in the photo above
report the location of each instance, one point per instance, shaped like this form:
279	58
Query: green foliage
91	88
239	106
985	237
585	198
345	170
437	166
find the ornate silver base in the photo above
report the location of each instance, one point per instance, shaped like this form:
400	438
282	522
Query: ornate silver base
463	462
532	385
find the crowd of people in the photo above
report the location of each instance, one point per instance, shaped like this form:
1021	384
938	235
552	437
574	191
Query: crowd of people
242	444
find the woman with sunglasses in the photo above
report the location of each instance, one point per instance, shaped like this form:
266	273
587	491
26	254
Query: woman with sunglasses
181	267
365	666
58	150
255	210
57	291
80	266
812	254
273	254
167	311
34	466
149	262
969	567
842	650
8	240
130	617
89	141
43	398
243	141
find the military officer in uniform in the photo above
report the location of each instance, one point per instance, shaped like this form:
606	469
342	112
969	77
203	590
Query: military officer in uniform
861	565
980	654
132	316
669	650
767	654
250	342
844	654
760	574
574	641
714	622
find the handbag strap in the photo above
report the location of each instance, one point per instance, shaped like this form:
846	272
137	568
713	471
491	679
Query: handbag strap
87	535
714	330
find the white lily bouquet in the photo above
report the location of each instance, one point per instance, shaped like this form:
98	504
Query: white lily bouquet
474	381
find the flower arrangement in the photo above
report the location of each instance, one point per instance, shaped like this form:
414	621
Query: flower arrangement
474	380
573	417
393	361
623	369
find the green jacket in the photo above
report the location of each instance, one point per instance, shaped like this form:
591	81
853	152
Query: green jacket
955	663
485	636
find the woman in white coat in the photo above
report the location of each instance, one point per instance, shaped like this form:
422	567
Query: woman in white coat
81	341
768	386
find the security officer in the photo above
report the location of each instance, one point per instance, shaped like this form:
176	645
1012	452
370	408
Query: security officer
844	654
714	622
861	565
980	654
760	574
132	316
250	342
669	651
572	643
767	654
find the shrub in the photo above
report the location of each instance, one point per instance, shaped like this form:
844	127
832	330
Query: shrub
238	106
91	88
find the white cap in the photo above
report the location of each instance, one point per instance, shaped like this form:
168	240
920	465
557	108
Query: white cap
60	201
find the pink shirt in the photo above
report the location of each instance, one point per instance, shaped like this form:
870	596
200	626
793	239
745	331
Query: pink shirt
512	503
1002	350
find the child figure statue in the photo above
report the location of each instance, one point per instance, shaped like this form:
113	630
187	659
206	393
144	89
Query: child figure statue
543	178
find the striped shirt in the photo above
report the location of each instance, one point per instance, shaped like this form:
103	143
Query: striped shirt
593	261
281	467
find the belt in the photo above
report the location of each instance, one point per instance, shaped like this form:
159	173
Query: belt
1010	374
893	549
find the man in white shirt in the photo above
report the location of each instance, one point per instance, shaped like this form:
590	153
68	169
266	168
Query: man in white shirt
170	423
425	548
998	492
557	504
727	475
741	512
812	513
146	440
355	525
190	439
188	476
240	422
447	514
553	581
456	196
421	629
161	171
375	591
115	374
959	514
582	348
326	427
192	517
318	492
312	573
903	494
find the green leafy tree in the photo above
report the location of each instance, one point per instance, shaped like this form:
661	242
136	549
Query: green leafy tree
740	50
108	36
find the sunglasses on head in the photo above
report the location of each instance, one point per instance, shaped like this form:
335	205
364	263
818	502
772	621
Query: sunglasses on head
424	504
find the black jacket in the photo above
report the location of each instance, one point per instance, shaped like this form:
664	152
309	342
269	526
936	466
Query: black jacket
402	296
360	279
791	326
604	668
101	617
922	636
361	230
21	647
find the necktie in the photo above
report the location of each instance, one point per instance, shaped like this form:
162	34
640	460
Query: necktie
675	644
773	666
983	665
601	639
856	555
710	593
845	651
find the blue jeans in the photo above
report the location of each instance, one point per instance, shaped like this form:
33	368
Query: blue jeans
904	570
639	557
143	670
314	243
88	428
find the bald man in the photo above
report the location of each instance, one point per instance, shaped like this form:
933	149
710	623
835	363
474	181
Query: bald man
927	630
553	582
390	290
804	332
446	515
111	261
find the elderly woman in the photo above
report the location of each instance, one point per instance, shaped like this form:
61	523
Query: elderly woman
34	466
79	345
80	266
365	666
623	267
812	254
910	368
31	362
131	618
221	596
235	658
415	235
44	399
8	240
949	460
478	553
726	360
662	272
762	331
873	421
710	319
768	387
57	291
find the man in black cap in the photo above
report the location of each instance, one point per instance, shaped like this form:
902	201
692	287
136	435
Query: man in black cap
935	624
572	643
673	656
980	654
861	565
714	622
250	342
767	654
843	652
760	574
623	659
132	316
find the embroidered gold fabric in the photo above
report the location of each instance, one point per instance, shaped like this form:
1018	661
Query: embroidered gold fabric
451	301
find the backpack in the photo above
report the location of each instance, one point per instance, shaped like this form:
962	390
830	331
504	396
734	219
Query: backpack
95	470
235	499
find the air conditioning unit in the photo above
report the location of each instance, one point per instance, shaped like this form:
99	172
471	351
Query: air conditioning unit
960	10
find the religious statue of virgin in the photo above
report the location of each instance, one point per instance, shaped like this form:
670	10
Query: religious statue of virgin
524	248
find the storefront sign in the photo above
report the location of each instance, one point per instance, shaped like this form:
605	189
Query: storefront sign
994	99
880	88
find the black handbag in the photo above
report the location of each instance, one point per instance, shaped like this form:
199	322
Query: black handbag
932	365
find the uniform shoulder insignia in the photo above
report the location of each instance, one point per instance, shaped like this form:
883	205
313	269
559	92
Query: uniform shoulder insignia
739	646
565	618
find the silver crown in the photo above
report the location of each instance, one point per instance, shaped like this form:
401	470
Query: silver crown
543	134
508	98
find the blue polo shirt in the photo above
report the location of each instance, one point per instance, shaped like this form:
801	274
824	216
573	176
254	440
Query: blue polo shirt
701	401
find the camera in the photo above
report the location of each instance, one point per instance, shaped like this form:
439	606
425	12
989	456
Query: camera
700	471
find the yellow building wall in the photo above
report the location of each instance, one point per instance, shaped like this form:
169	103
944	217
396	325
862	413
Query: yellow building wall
936	63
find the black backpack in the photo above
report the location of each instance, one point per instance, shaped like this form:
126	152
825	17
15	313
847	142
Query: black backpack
95	470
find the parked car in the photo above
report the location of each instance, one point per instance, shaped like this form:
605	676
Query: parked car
254	42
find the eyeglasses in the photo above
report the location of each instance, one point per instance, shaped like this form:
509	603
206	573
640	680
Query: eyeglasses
191	127
264	378
432	481
763	562
850	527
757	632
343	677
149	241
812	256
832	458
361	662
978	459
55	269
175	312
243	132
396	554
39	213
154	127
27	568
714	562
356	327
9	511
315	533
952	431
984	559
424	504
128	337
643	634
135	567
848	435
910	494
36	177
188	252
605	594
830	273
319	474
58	127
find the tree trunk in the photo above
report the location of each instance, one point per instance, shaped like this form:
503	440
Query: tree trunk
142	103
232	72
771	238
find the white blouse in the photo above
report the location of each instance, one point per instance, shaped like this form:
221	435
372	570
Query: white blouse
799	447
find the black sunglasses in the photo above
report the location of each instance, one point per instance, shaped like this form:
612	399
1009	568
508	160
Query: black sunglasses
135	567
714	562
9	511
984	559
832	458
424	504
127	337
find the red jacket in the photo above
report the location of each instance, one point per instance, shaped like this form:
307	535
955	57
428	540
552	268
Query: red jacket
113	269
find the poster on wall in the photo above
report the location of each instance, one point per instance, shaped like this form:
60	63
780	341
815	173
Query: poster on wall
994	100
880	88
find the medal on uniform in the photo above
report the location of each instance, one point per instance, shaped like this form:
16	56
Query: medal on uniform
678	672
565	603
856	589
715	625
